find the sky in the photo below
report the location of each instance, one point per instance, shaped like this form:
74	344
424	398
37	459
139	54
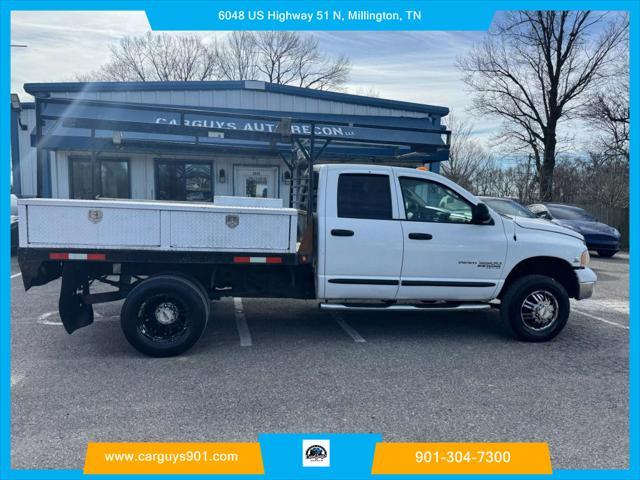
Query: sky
412	66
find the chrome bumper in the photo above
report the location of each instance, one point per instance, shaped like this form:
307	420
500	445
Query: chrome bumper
586	282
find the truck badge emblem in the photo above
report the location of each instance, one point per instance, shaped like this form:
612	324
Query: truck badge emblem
95	216
232	221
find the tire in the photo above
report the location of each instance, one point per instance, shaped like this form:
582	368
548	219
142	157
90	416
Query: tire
164	316
197	283
606	253
538	324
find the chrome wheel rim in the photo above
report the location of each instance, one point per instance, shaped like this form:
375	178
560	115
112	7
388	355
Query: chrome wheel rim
163	319
167	313
539	310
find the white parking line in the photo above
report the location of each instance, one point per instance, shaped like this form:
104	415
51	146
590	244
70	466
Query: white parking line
16	379
595	317
53	318
352	332
241	323
16	275
619	306
44	319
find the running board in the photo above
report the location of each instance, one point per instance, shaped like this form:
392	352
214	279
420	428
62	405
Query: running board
406	307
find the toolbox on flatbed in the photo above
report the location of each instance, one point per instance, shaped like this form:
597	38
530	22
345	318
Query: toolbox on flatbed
160	226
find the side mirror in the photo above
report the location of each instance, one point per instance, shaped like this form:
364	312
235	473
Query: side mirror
481	214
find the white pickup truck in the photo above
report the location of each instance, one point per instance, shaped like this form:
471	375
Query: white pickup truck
376	238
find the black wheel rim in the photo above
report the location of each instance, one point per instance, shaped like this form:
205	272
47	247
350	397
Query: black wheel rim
163	319
539	310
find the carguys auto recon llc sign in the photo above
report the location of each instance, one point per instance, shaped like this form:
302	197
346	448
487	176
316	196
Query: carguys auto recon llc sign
257	126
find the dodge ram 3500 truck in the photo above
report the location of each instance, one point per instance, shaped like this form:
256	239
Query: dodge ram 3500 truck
373	238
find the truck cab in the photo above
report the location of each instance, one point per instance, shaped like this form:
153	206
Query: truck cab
400	236
397	233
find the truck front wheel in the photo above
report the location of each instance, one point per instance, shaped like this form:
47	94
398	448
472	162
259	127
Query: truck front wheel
164	315
535	307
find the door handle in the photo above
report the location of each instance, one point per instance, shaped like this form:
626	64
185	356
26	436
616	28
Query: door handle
338	232
420	236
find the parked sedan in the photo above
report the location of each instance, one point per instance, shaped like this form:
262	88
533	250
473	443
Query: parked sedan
599	236
508	207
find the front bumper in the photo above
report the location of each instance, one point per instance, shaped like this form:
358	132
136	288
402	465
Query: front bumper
586	282
602	242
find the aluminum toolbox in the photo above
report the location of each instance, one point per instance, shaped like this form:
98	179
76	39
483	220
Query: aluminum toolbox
153	225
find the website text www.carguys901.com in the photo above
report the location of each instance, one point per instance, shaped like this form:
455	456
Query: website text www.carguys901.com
173	458
170	457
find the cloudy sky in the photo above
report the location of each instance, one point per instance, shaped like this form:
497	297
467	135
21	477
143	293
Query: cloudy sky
412	66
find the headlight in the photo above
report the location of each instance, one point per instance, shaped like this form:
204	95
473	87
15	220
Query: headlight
584	259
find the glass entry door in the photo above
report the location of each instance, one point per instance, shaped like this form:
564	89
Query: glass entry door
256	181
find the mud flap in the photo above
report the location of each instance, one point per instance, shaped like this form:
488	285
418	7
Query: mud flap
74	313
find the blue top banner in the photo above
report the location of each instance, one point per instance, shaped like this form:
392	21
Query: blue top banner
321	15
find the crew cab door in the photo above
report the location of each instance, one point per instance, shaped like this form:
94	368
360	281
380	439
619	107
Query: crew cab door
362	246
446	255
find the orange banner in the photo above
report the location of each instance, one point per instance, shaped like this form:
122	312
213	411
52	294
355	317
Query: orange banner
461	458
173	458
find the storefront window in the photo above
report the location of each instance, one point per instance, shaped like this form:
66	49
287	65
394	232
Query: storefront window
186	181
112	178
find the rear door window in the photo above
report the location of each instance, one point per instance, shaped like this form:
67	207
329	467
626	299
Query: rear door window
364	196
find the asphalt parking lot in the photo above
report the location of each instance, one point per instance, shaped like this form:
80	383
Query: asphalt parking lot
411	377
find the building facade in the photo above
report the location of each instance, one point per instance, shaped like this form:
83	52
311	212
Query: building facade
191	141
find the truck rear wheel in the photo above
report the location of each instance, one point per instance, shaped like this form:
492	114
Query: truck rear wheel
536	308
164	315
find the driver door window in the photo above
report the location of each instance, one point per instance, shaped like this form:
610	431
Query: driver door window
426	201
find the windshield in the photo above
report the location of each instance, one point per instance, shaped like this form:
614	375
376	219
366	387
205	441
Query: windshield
570	213
508	207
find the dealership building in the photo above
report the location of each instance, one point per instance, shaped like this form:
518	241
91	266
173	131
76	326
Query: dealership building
191	141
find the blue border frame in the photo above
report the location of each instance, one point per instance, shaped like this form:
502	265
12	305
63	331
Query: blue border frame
200	15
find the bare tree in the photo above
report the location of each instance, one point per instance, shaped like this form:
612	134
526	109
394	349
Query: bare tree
236	57
607	111
158	57
467	156
289	58
369	91
605	180
277	53
535	69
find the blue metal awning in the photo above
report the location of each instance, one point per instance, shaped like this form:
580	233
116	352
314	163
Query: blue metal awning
71	124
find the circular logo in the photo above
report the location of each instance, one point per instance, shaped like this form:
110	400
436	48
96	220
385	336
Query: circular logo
316	453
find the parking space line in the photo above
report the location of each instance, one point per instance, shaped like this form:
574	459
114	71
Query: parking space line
16	275
595	317
352	332
241	323
16	379
619	306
